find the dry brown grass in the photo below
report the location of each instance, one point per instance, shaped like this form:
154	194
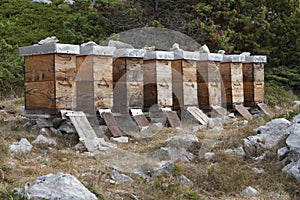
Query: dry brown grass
222	177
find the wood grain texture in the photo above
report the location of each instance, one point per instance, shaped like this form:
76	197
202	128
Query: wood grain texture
258	72
248	74
203	95
214	91
237	83
39	68
150	86
225	71
39	95
85	96
249	94
164	83
189	70
177	87
202	72
213	69
259	92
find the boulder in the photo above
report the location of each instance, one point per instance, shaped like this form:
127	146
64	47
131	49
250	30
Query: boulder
269	135
21	147
293	169
43	123
44	140
57	186
293	140
67	128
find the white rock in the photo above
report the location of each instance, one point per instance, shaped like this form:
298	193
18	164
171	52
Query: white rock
121	178
40	139
204	49
121	139
245	122
293	169
258	170
293	140
183	138
249	191
231	115
209	155
183	180
296	103
260	158
58	186
282	151
21	147
270	134
48	40
215	123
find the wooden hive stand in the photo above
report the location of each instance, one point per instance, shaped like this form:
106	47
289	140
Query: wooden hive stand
50	71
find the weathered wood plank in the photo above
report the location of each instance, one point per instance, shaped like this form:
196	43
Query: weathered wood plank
39	95
190	92
198	114
266	109
258	72
177	87
202	72
214	91
225	71
84	68
85	96
237	83
248	74
111	124
259	92
39	68
173	119
164	83
203	95
243	111
213	72
249	94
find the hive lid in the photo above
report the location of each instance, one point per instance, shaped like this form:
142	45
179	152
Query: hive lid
256	59
211	57
159	55
233	58
187	55
129	53
48	49
97	50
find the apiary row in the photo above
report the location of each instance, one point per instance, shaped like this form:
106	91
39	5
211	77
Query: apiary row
88	78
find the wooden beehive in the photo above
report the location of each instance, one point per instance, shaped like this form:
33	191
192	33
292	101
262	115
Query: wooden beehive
253	77
128	79
184	79
209	80
158	79
231	69
94	79
50	71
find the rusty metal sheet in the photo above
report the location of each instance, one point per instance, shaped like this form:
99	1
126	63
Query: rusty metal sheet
173	119
264	107
220	110
111	124
198	114
243	111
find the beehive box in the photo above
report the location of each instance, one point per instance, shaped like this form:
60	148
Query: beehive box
50	71
128	79
253	77
94	79
231	69
158	79
184	79
209	80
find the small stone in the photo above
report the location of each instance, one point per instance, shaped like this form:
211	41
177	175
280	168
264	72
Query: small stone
249	191
296	103
67	128
43	123
278	107
57	122
209	155
183	180
121	139
282	152
121	178
260	158
45	131
43	140
258	170
56	132
245	122
231	115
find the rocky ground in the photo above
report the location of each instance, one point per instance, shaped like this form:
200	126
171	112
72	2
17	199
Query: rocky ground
230	159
